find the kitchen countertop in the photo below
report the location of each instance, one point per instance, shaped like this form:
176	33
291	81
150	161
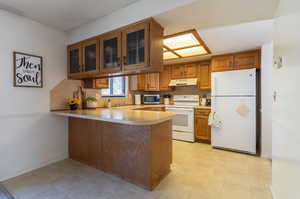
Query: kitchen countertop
132	107
121	115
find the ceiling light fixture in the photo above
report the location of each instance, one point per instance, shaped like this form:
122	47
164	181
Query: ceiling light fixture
184	44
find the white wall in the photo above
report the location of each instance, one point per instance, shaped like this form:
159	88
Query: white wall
130	14
266	99
286	119
30	136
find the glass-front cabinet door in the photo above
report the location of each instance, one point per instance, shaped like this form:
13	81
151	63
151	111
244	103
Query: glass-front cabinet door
91	56
74	60
110	53
136	47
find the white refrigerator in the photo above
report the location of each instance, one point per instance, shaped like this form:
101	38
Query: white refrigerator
234	103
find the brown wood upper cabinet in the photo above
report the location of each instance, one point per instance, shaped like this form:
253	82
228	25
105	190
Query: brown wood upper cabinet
246	60
237	61
83	59
90	51
152	82
110	53
181	71
177	71
165	78
204	76
136	46
191	70
145	82
75	60
137	82
222	63
133	49
96	83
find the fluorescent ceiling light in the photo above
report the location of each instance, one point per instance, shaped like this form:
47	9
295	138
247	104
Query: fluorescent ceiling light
181	41
169	55
184	44
194	51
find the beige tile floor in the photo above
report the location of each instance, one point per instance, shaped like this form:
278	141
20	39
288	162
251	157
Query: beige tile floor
198	172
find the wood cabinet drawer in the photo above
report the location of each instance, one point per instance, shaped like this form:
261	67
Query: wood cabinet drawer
199	111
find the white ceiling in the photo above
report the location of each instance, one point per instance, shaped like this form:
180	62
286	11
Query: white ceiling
225	25
204	14
238	37
63	14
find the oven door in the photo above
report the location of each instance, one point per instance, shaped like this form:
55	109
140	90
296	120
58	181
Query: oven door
184	119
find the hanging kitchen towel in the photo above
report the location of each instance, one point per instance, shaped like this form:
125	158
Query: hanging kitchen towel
243	110
214	121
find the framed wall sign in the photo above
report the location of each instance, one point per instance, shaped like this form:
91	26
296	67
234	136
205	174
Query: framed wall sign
28	70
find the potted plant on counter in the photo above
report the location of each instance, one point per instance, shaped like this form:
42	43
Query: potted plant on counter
91	102
73	103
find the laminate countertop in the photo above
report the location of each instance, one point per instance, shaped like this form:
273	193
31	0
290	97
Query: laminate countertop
132	107
121	115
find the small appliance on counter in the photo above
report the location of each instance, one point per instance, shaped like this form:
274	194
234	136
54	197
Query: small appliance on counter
137	99
151	99
208	102
167	99
203	101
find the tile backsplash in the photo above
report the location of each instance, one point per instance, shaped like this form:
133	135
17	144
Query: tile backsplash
66	88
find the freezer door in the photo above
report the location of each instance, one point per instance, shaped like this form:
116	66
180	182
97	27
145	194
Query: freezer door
238	116
234	83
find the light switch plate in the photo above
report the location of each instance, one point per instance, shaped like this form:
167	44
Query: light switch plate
278	62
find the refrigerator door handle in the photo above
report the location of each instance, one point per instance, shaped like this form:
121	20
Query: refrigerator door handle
215	87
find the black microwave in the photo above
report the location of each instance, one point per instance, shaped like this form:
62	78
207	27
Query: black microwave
151	99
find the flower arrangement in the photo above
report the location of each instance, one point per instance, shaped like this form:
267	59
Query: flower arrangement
73	103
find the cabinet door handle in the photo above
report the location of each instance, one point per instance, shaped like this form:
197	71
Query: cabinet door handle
124	60
119	61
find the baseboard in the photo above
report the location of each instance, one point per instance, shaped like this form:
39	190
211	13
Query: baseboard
42	164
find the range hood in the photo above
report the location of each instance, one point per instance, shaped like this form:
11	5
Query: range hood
184	82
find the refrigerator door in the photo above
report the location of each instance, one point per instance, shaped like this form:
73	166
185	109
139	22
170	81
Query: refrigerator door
234	83
238	116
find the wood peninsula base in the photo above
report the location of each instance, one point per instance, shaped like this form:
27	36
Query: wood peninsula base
139	154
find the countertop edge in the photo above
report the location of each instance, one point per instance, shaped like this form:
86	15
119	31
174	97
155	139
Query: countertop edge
128	122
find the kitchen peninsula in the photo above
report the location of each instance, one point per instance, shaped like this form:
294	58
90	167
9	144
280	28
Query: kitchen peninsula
135	145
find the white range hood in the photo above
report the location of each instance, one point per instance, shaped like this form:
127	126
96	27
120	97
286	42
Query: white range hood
184	82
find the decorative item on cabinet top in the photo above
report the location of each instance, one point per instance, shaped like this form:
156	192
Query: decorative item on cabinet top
133	49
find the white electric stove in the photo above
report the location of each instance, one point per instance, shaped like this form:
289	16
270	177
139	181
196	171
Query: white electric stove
183	122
